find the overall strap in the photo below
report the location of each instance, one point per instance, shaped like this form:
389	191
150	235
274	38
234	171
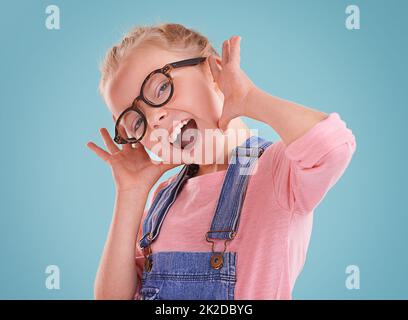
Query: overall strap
230	200
162	203
226	217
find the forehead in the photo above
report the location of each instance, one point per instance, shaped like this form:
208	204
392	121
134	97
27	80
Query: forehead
125	84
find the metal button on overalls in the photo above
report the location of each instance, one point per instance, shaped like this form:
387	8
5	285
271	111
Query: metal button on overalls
216	261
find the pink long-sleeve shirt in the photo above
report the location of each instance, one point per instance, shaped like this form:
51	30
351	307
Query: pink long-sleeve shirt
277	214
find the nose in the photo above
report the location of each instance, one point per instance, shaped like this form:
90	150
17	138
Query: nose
156	116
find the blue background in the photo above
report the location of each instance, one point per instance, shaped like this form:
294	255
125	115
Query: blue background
57	197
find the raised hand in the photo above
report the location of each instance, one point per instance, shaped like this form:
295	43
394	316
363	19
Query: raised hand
233	82
132	168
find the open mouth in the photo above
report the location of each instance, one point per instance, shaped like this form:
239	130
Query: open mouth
182	140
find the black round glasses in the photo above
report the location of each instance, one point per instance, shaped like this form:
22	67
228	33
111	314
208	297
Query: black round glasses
156	90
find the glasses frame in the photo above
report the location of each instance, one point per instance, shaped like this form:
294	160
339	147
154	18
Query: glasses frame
166	69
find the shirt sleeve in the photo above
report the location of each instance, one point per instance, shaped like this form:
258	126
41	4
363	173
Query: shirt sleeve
305	170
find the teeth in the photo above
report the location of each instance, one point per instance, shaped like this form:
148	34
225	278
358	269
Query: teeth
177	130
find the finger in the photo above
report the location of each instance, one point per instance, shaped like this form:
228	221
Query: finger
122	132
142	152
110	145
215	69
99	151
165	166
235	50
225	52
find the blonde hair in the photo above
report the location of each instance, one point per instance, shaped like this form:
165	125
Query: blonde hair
168	36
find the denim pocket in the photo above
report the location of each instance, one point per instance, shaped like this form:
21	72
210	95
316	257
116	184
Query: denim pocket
149	293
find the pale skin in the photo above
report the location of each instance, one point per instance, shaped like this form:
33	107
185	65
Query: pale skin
216	94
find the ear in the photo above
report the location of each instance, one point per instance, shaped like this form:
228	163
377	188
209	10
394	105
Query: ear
218	60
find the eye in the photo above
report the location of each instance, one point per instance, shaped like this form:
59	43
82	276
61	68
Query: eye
138	123
163	87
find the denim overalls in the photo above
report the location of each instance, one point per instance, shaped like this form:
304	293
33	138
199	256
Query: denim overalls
208	275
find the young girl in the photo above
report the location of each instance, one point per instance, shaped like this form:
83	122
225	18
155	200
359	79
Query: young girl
212	231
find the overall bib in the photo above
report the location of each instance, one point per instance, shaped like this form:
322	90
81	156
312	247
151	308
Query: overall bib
208	275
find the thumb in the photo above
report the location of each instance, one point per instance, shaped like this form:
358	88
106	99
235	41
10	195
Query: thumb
215	69
226	116
165	166
223	122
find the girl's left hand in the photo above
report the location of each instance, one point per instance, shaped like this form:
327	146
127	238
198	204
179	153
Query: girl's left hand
233	82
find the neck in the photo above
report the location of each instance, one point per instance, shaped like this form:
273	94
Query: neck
231	140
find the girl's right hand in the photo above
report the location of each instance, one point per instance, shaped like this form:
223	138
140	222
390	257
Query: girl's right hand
132	168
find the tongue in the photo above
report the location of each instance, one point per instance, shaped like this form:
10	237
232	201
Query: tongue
190	125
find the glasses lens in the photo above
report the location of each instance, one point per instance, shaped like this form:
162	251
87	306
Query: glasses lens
157	89
134	124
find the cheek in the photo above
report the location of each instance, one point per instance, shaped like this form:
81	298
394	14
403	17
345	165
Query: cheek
153	141
200	100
